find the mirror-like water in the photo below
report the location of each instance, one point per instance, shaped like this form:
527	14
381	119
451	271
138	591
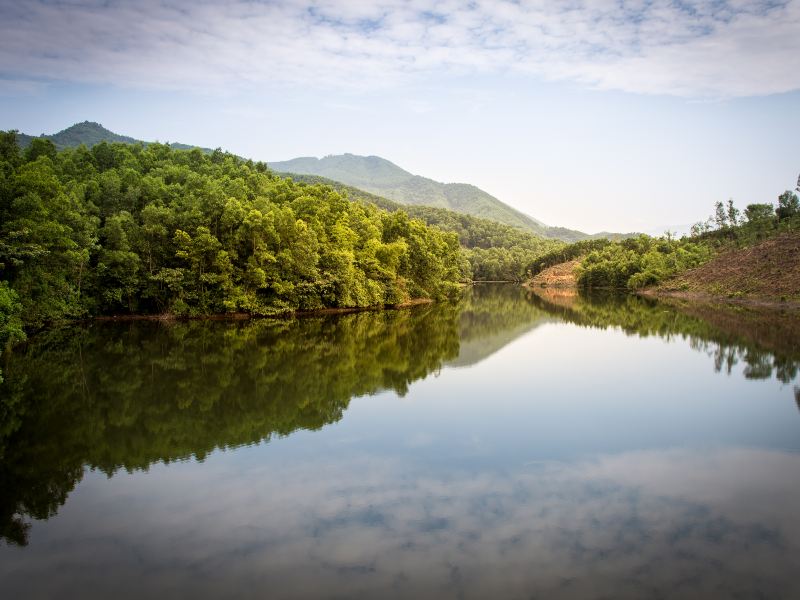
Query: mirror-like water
510	445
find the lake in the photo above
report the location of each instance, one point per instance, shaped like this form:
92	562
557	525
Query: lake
510	445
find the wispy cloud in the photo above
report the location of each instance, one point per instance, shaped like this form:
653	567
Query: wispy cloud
701	523
688	48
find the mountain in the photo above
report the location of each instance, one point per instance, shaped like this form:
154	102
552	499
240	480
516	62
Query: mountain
89	134
380	176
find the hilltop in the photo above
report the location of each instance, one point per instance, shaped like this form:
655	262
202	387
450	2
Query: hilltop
90	134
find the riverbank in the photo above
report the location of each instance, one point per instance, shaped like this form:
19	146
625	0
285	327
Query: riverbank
765	275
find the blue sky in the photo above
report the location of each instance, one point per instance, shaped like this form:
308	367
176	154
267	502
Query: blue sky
594	115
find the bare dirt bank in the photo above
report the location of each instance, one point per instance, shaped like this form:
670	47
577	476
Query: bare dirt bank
561	275
765	275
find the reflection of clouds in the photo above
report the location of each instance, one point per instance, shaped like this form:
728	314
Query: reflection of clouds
689	524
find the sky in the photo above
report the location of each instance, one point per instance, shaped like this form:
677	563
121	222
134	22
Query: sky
602	115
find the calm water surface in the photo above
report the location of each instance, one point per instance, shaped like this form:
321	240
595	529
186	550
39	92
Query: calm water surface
508	446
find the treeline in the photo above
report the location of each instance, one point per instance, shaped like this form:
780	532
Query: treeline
122	229
644	261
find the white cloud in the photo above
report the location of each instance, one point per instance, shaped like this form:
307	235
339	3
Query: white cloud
692	49
715	522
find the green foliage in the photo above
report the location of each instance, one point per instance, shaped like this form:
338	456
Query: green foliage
126	228
645	261
494	251
788	205
640	262
566	253
10	322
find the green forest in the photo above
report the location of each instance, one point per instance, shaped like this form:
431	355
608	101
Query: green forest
132	229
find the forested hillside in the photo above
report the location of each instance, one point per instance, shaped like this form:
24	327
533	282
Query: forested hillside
124	229
495	251
379	176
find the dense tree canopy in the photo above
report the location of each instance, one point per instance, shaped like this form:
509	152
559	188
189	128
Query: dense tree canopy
131	229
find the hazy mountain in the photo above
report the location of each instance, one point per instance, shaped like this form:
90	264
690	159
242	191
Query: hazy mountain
89	133
380	176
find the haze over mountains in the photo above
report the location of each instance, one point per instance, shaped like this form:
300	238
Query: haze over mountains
380	176
369	173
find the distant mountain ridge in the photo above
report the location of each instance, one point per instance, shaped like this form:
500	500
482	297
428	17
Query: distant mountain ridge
380	176
90	134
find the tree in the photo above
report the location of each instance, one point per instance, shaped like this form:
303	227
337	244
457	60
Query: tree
720	215
733	214
759	213
9	149
788	205
40	147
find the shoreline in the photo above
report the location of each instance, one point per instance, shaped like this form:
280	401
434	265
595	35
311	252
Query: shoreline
699	298
243	316
705	298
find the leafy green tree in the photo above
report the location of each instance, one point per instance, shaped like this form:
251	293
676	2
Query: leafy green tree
40	147
759	213
788	205
732	214
720	215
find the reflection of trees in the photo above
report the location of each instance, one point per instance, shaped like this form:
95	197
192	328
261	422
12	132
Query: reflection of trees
492	316
113	396
766	341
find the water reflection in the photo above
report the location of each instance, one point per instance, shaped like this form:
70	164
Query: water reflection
767	341
116	396
714	524
322	511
